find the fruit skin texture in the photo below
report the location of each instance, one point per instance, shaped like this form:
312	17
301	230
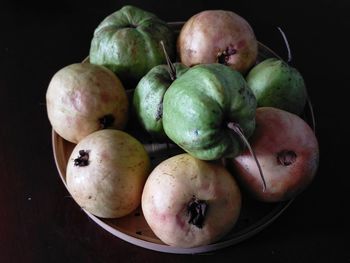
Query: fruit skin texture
110	185
173	184
82	98
148	98
276	84
278	131
213	36
128	43
199	104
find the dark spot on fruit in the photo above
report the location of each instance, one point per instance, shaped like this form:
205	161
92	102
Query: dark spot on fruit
159	113
190	52
132	26
139	232
106	121
164	79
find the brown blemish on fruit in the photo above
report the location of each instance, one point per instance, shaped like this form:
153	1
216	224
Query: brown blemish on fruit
194	177
105	97
241	44
179	221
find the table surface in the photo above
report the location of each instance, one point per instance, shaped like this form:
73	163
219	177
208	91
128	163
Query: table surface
40	222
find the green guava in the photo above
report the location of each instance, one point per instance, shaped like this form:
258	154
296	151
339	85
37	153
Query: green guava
128	43
148	98
276	84
201	107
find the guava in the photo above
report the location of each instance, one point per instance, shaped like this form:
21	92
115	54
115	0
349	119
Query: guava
201	107
218	36
288	152
82	98
277	84
148	98
188	202
128	43
106	173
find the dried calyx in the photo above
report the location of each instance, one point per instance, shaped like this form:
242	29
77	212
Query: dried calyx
224	56
82	159
196	209
286	157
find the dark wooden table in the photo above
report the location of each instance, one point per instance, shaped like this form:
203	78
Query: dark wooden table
40	222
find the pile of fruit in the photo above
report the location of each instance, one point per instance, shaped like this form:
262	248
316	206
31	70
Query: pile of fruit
236	119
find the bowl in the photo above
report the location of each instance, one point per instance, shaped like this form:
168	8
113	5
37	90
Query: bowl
133	228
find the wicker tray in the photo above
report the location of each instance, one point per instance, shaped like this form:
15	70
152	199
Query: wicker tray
254	217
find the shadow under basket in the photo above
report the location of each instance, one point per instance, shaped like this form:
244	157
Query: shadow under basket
133	228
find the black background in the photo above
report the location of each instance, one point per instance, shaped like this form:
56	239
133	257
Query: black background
38	220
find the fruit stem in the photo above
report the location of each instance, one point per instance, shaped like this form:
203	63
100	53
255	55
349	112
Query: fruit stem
237	129
287	45
197	209
311	112
307	96
171	67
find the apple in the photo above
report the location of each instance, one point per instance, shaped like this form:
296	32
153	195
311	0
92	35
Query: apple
82	98
218	36
288	152
106	173
188	202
